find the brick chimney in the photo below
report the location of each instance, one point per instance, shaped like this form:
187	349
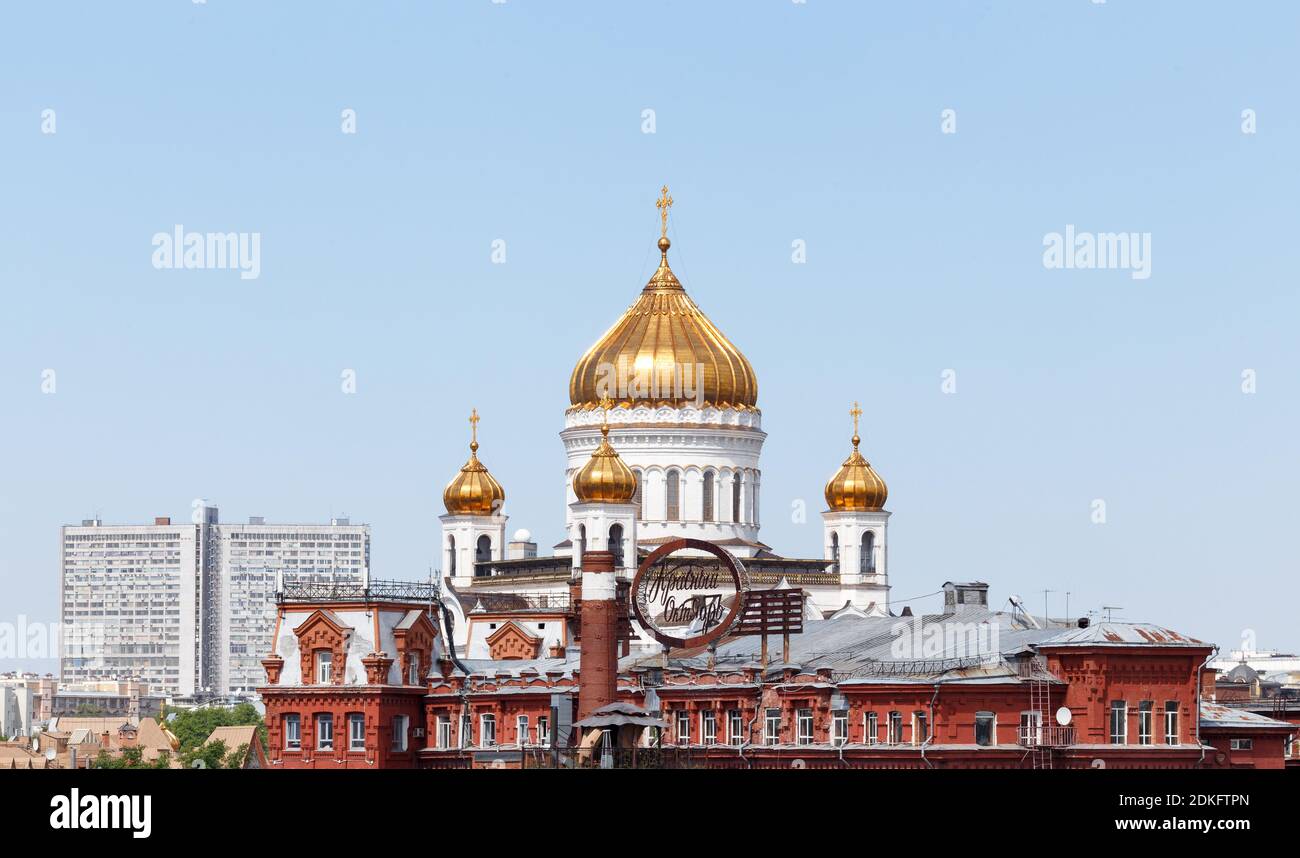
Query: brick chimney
598	653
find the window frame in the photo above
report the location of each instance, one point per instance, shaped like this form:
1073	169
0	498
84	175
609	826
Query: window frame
401	731
544	730
871	728
1118	719
486	720
1171	723
840	727
803	719
324	659
990	718
770	716
325	731
354	719
291	723
1031	734
735	727
444	736
521	730
708	727
1146	722
894	728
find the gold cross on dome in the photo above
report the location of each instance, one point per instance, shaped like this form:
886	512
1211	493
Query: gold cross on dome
664	204
473	424
856	411
605	404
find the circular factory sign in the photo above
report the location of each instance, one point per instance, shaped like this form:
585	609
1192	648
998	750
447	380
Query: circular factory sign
688	599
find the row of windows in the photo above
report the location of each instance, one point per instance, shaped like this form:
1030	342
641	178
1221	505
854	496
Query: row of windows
673	495
356	732
325	668
1119	722
867	562
487	731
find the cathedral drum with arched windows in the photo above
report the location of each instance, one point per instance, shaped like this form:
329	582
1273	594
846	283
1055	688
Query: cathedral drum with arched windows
685	417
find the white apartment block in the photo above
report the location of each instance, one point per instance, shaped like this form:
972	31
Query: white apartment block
251	557
189	608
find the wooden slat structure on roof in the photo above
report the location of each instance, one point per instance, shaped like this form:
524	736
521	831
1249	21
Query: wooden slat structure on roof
771	612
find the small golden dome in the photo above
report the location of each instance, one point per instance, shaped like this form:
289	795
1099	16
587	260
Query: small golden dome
605	478
856	487
473	491
664	351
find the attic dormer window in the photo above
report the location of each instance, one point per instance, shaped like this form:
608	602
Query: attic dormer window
324	666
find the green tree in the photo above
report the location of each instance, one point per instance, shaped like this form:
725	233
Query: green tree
193	726
212	755
235	759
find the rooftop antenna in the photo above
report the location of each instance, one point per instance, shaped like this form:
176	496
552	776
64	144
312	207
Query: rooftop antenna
1047	619
1109	608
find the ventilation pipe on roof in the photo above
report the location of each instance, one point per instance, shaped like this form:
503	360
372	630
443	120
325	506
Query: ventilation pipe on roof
1197	723
933	726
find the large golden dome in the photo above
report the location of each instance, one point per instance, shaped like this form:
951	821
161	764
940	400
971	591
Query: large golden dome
605	478
473	491
856	487
656	353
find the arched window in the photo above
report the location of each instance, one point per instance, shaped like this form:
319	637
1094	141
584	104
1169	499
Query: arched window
616	543
636	495
708	496
582	542
484	552
451	555
868	553
674	495
835	547
735	497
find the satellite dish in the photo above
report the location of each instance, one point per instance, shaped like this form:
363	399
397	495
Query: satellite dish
51	754
1063	716
199	764
36	743
1099	763
798	764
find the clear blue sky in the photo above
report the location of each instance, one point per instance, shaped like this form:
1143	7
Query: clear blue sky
775	121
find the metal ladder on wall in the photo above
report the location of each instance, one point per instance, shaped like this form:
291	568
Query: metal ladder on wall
1040	702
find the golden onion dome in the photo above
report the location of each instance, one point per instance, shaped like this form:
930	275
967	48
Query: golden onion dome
605	478
856	487
664	351
473	491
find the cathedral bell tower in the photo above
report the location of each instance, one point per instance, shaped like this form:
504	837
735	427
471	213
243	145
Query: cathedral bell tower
855	527
474	528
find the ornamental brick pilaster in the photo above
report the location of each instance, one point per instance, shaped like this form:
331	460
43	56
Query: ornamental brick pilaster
377	665
273	664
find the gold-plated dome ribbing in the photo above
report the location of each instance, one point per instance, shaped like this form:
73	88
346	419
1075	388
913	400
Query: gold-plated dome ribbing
664	350
473	491
605	478
856	487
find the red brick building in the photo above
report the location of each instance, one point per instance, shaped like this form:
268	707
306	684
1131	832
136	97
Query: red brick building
366	681
347	679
